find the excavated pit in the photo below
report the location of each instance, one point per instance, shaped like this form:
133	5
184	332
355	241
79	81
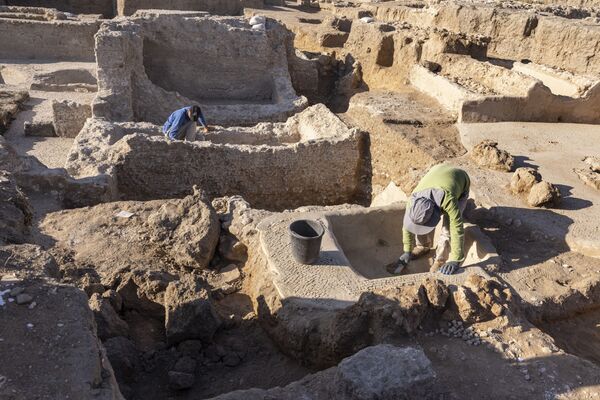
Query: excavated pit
357	245
578	334
260	163
242	81
174	257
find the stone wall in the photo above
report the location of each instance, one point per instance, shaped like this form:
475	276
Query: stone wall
104	7
47	40
478	91
387	52
218	7
323	165
513	34
145	69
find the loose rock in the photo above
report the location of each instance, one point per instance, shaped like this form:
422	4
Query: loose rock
185	364
180	380
107	320
543	194
523	179
189	311
487	154
24	298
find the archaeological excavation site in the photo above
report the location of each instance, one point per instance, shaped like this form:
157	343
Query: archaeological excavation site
299	200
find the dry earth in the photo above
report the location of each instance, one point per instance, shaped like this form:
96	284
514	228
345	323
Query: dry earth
136	267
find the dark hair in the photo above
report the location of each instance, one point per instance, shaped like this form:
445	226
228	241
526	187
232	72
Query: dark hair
194	113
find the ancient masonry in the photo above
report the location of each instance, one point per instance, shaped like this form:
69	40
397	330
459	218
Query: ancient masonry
136	266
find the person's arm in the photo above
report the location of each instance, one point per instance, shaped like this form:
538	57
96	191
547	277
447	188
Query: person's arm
408	240
202	121
457	229
168	124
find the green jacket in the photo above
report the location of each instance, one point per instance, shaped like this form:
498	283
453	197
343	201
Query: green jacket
455	184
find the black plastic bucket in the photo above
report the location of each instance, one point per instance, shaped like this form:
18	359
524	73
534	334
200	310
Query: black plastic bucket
306	238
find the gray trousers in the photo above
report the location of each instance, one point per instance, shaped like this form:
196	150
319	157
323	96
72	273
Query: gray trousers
187	132
442	251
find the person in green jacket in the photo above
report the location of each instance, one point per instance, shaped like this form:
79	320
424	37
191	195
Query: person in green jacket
441	194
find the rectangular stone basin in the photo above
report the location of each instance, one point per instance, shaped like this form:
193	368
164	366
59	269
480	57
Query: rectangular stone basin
372	238
357	245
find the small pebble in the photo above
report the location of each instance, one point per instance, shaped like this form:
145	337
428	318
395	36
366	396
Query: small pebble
16	291
30	325
32	305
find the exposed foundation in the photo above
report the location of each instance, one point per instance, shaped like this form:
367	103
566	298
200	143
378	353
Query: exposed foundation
154	72
174	256
357	246
262	162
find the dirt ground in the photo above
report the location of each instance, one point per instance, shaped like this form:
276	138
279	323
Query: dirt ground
179	299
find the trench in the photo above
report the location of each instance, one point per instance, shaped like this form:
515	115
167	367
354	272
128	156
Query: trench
241	355
244	351
578	334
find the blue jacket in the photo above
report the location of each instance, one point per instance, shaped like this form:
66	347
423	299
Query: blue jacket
177	120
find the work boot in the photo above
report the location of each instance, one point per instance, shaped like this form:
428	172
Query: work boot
437	264
420	251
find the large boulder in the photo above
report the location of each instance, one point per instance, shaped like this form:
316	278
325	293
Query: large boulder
189	311
384	372
523	180
189	226
480	299
10	104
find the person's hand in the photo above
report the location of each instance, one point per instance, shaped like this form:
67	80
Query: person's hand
449	268
404	259
398	266
205	129
402	263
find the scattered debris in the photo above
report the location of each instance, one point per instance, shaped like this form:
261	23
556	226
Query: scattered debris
124	214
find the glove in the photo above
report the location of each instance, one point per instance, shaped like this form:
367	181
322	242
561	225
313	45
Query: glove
449	268
402	262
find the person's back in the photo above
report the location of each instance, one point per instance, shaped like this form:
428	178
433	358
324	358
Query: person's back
446	177
440	195
181	124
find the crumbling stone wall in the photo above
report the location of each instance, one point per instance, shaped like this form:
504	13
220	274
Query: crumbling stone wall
284	177
387	52
64	40
513	34
102	7
143	74
218	7
322	165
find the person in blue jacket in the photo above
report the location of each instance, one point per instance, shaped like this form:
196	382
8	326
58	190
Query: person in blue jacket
182	124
